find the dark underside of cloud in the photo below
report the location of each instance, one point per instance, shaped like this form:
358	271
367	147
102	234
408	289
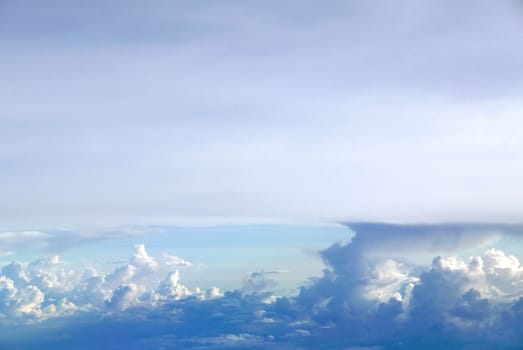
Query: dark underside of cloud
237	321
364	300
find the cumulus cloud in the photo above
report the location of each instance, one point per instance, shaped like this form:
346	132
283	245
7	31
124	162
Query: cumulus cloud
258	282
45	288
363	300
380	301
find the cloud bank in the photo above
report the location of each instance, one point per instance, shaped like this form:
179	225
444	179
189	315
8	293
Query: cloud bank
46	288
364	300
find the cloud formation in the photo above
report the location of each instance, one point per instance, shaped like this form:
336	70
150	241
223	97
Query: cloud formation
45	288
362	301
287	109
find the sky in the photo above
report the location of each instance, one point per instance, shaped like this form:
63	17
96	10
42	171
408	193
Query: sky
263	175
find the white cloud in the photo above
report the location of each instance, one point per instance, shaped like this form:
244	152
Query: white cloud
44	288
364	300
123	297
170	288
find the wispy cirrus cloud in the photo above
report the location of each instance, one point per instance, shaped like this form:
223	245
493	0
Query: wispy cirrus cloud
12	241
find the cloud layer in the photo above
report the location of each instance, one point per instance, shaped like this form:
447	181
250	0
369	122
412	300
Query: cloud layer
151	113
364	300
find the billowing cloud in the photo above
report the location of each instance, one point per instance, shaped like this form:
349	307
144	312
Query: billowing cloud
258	281
363	300
45	288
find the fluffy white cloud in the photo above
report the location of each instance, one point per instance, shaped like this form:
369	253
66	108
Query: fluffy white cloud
364	300
171	288
45	289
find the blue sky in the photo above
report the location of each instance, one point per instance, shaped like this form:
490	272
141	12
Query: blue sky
264	175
